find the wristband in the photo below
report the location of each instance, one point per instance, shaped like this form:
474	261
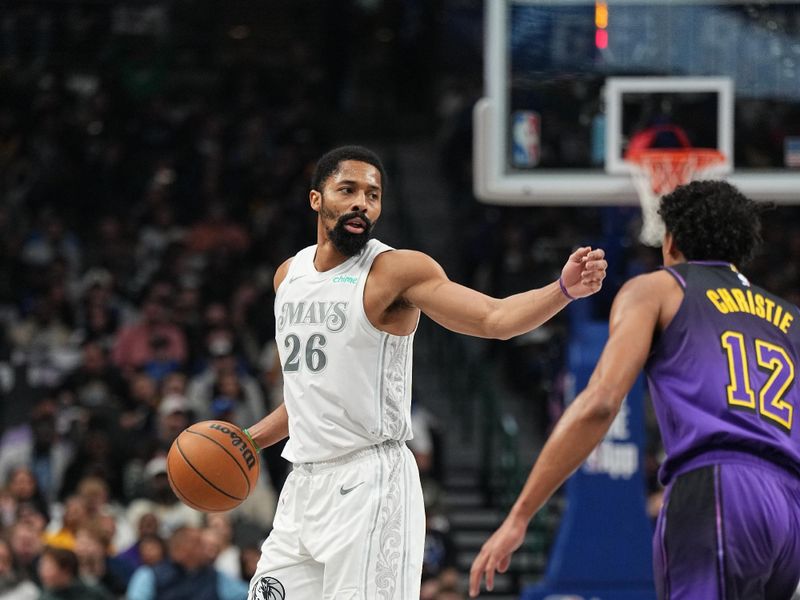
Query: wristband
563	290
250	437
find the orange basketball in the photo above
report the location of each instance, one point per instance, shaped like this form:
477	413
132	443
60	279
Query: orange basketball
212	466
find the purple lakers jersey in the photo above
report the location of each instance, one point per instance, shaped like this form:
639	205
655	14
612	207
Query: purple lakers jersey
722	374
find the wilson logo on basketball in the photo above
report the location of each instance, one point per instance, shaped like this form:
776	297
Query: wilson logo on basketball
237	442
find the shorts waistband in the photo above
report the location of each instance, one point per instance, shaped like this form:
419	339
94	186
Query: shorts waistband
738	457
321	465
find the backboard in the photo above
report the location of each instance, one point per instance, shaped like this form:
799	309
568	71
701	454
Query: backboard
570	84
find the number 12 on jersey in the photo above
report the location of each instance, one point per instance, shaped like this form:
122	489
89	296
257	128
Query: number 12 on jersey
779	369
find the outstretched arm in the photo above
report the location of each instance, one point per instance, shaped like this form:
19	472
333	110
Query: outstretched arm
633	319
468	311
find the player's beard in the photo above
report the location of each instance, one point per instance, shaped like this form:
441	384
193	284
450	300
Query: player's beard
349	244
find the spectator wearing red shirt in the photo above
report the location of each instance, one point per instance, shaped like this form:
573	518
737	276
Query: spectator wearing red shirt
153	336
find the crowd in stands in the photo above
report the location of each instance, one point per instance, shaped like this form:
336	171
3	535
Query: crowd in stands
143	211
147	193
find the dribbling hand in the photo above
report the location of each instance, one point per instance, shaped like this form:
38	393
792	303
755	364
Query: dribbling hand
584	272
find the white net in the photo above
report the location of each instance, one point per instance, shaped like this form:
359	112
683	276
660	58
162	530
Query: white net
658	172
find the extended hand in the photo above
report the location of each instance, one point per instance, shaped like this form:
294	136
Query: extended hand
584	272
495	554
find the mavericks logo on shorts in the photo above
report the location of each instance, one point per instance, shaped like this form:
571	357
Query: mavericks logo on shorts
269	588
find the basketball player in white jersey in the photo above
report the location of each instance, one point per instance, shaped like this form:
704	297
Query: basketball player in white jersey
350	518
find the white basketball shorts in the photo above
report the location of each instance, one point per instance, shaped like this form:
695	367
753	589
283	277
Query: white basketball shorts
347	529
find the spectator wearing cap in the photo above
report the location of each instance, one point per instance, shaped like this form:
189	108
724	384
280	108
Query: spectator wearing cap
224	378
159	499
174	415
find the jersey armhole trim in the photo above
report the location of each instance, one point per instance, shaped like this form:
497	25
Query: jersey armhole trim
678	277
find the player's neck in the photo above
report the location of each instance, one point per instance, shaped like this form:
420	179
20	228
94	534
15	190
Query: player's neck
327	257
670	254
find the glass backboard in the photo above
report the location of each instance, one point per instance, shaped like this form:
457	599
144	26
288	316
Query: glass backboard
570	84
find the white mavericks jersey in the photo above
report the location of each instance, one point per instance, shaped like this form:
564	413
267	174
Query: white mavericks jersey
347	385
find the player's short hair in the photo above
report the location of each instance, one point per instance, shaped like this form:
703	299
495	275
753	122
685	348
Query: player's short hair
712	220
330	161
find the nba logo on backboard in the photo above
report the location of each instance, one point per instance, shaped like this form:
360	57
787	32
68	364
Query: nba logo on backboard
525	138
792	151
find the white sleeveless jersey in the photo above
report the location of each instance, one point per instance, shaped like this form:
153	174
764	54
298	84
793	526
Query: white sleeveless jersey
347	385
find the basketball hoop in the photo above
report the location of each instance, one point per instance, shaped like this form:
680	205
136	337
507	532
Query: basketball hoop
658	171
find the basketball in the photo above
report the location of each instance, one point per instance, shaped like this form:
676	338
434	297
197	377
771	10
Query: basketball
212	466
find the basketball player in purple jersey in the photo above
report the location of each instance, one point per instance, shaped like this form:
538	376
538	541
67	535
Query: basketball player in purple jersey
721	356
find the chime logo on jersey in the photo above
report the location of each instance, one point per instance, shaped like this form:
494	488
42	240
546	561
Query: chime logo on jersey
269	588
345	279
333	315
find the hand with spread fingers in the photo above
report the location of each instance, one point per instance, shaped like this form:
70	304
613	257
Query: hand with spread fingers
495	554
584	272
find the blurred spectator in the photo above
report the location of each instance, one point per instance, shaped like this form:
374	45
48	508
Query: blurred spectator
152	337
13	586
139	421
152	550
26	545
248	560
105	513
228	555
23	489
43	341
232	403
96	565
96	386
186	573
50	241
110	248
61	532
174	415
216	231
174	383
39	446
97	455
100	310
27	514
58	571
439	559
225	378
141	551
160	500
155	236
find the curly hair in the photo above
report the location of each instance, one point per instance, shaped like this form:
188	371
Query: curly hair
712	220
329	163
